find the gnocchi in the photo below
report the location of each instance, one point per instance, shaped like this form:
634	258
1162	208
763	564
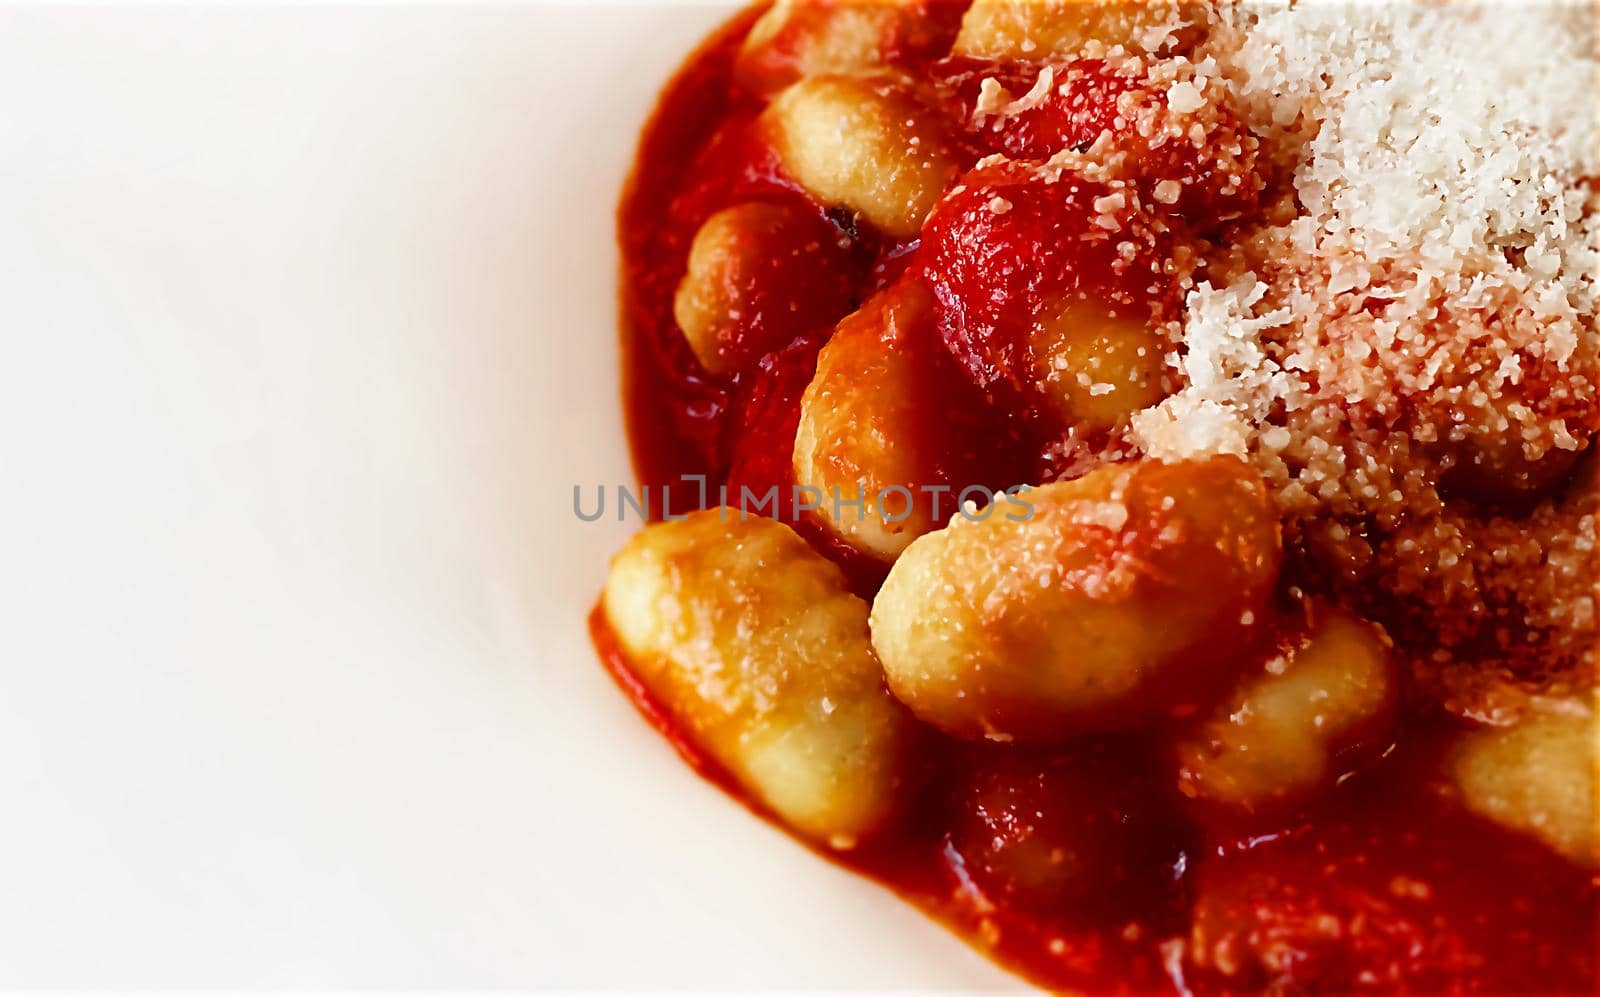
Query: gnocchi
1030	263
1095	365
866	144
1045	831
1275	740
759	274
795	39
750	641
1537	777
1094	604
870	436
1037	29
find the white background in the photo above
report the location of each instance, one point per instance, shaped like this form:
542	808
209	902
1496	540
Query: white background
308	329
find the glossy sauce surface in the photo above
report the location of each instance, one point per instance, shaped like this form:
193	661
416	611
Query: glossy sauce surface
1382	882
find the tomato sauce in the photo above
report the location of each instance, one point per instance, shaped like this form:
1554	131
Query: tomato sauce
1384	882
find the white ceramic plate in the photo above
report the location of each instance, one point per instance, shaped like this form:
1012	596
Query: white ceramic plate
309	331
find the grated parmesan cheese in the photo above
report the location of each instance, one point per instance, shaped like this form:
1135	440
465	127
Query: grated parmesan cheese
1424	297
995	101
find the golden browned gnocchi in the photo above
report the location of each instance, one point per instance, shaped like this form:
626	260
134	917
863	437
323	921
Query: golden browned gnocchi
863	143
1036	29
870	436
758	275
751	642
1537	777
1095	367
799	38
1276	738
1093	604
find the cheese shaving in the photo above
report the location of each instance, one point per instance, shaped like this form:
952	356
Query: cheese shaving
1421	307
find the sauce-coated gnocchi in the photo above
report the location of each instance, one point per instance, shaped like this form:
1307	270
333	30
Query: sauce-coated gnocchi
1045	830
749	639
872	433
1275	739
1035	29
1094	604
867	144
799	38
1537	777
1096	366
758	275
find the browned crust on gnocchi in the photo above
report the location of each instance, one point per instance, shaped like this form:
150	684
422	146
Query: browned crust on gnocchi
1100	603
